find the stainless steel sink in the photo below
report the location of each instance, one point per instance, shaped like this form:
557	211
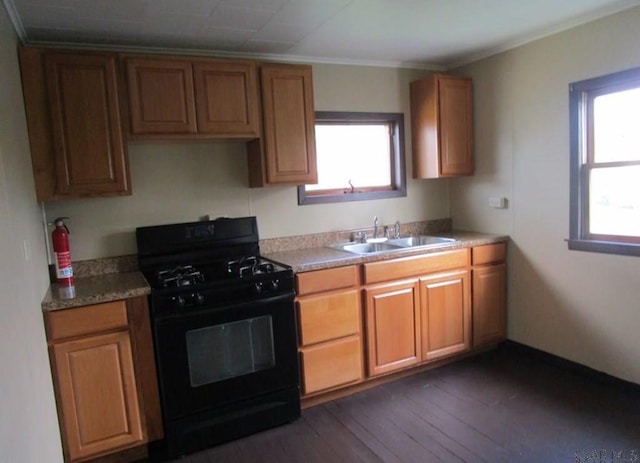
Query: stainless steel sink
420	241
368	248
398	244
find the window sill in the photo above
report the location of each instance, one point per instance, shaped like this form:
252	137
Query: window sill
606	247
306	199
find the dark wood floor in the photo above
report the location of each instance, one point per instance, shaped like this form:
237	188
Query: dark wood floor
502	406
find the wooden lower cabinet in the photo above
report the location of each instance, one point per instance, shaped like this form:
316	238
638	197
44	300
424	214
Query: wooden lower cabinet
97	388
393	326
329	327
489	285
415	310
331	364
105	379
445	314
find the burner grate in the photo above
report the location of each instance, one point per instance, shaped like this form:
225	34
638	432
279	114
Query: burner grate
182	275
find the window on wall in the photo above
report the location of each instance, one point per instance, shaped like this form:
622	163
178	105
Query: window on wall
360	156
605	164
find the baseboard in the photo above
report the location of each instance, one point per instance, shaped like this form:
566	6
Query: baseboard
569	365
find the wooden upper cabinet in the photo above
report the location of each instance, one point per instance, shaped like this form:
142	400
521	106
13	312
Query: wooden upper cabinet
161	96
226	98
174	97
442	126
286	154
75	130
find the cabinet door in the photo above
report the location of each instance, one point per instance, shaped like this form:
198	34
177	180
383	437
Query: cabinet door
100	410
331	364
226	98
161	98
489	304
90	157
455	126
288	124
393	324
442	126
445	314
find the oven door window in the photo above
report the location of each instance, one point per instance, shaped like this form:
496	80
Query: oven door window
229	350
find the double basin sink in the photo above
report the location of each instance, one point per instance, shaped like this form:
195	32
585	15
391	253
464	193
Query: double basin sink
395	244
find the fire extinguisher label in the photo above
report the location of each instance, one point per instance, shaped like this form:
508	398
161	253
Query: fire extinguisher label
63	265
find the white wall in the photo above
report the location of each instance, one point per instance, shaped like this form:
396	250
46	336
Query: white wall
581	306
28	421
185	181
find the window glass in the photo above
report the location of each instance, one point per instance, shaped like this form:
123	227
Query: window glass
614	201
352	155
616	126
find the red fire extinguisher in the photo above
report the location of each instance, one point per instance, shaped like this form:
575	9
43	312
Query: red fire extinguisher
60	238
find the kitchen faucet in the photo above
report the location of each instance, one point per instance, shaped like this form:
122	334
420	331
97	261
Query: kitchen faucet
375	226
396	229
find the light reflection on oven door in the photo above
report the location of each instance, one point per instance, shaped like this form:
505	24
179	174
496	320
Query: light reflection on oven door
220	352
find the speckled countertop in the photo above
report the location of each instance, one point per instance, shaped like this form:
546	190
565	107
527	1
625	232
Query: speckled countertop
96	289
318	258
113	278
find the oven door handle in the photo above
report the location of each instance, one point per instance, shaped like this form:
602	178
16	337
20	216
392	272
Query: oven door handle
199	311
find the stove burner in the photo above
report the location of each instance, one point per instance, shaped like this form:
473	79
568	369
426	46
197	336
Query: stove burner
183	275
249	266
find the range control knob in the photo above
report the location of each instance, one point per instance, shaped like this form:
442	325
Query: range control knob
179	300
274	284
257	288
199	298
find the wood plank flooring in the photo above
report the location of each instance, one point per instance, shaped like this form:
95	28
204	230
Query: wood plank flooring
502	406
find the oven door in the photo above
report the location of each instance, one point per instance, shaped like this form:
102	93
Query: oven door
214	357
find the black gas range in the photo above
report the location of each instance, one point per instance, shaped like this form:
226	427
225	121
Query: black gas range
224	328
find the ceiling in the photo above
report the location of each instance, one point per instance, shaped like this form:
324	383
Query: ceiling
430	34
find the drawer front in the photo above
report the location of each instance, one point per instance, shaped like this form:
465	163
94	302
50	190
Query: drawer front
331	364
328	316
86	320
488	253
326	280
394	269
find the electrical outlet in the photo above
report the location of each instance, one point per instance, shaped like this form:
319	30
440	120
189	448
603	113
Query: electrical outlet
498	202
26	247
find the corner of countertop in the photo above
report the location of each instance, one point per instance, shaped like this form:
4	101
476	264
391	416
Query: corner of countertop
97	281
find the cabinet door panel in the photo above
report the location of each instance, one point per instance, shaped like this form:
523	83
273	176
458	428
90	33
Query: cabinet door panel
98	366
161	96
489	304
288	119
87	135
445	314
320	281
442	126
226	98
456	126
392	326
331	364
328	316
